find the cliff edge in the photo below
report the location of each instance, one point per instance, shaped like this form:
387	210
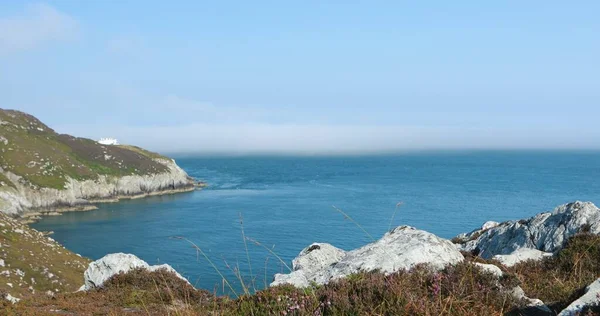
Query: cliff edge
43	171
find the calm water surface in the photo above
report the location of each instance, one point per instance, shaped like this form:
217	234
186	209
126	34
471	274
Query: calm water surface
286	203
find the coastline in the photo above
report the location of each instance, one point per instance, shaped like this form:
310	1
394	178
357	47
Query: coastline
420	262
35	215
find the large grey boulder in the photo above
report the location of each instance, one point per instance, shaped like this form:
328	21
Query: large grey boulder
546	232
311	265
401	249
591	298
103	269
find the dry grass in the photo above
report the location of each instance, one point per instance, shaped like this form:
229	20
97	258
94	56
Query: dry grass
561	279
458	290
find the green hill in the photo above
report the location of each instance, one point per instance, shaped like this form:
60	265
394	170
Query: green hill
44	158
41	169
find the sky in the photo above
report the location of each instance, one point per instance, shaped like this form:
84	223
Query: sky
307	77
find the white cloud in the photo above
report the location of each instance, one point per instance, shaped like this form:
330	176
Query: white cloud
38	24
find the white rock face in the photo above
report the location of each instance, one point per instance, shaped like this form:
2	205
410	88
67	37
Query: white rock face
11	299
536	306
103	269
546	232
490	268
489	224
520	255
79	193
590	298
312	262
400	249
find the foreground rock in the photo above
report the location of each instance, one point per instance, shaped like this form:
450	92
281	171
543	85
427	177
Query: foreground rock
520	255
545	232
590	299
401	249
103	269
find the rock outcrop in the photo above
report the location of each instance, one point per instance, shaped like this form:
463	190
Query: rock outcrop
520	255
545	232
103	269
400	249
81	193
590	299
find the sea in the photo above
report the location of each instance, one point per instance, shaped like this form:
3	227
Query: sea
259	212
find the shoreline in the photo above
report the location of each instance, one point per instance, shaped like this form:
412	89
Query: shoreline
36	214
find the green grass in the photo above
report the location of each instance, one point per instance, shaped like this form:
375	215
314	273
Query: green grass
7	182
46	265
46	159
144	152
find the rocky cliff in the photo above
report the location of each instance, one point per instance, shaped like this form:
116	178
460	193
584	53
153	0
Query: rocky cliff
43	171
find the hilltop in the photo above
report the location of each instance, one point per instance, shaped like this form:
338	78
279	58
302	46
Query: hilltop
42	170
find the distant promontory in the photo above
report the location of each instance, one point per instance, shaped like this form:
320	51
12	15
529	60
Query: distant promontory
43	172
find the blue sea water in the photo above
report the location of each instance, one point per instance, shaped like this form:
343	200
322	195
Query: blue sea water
287	203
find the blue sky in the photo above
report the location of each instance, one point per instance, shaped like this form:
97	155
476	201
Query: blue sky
307	76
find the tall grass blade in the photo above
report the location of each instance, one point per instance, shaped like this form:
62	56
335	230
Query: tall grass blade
247	252
348	217
394	215
270	251
199	250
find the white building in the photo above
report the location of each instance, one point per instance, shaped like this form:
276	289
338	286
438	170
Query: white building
108	141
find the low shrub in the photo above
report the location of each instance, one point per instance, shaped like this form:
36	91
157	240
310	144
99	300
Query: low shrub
561	279
463	289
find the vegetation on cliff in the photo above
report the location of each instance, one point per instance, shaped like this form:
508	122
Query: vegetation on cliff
42	171
44	158
32	263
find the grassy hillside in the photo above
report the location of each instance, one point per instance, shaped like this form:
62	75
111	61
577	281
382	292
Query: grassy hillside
44	158
32	263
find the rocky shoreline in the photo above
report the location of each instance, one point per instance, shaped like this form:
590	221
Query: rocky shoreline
83	195
34	215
